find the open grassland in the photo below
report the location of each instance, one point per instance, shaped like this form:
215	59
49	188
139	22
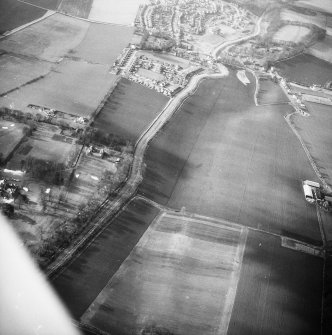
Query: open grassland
103	43
179	277
113	11
319	5
17	71
42	145
270	93
291	33
10	136
87	275
305	69
49	39
222	156
323	49
316	133
79	8
129	110
73	87
14	14
279	292
49	4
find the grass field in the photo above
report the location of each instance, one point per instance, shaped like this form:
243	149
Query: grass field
222	156
103	43
113	11
316	133
319	5
270	92
323	49
17	71
10	136
279	292
291	33
41	145
79	8
129	110
290	15
49	39
14	14
73	87
305	69
178	277
93	269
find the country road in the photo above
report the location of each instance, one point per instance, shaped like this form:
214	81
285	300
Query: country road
111	207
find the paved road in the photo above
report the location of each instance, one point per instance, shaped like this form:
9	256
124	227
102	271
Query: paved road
223	45
111	207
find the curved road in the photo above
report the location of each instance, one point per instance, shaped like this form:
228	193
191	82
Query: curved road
238	40
112	206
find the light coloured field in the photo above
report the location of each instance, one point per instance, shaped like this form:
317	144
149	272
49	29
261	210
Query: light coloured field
113	11
16	71
323	49
74	87
10	135
320	5
291	33
318	19
182	276
103	43
49	39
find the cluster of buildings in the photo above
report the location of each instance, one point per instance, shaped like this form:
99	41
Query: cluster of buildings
7	191
164	77
181	19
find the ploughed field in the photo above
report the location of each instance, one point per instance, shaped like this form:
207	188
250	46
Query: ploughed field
181	276
279	292
129	110
80	283
270	93
222	156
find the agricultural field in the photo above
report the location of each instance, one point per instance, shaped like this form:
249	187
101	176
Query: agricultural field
222	156
79	8
181	276
323	49
14	14
298	16
318	5
129	110
316	133
49	39
92	270
16	71
113	11
102	43
11	135
270	93
49	4
74	87
291	33
279	292
305	69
